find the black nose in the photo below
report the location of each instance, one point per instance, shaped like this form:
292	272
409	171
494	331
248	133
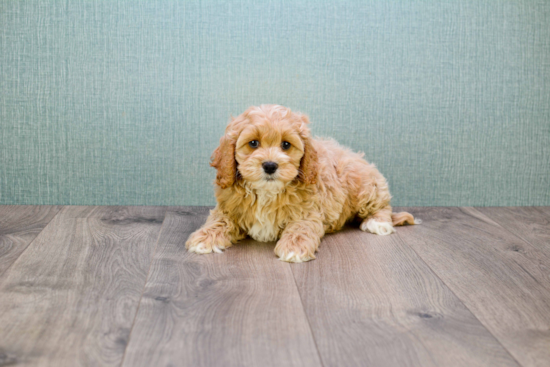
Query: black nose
270	167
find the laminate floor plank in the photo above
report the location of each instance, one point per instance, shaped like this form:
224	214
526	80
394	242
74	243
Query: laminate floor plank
371	301
532	224
239	308
19	225
502	279
71	297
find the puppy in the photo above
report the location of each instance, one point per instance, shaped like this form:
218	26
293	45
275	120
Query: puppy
275	182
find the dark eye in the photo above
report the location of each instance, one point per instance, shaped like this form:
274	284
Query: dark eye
286	145
254	144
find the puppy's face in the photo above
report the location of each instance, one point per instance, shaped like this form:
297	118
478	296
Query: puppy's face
269	152
268	146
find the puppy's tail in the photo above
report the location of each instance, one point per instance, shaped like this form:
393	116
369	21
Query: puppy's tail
400	219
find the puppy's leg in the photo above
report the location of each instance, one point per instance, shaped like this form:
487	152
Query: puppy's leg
299	241
383	221
379	223
374	203
217	234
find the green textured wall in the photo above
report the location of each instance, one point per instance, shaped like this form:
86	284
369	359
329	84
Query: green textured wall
122	102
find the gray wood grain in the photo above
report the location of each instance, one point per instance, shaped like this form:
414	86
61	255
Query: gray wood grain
19	225
544	209
499	277
71	297
371	301
467	287
532	224
240	308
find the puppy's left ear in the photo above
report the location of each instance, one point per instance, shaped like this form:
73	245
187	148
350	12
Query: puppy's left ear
309	164
223	159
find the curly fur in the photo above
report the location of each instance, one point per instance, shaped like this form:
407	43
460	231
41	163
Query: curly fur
317	188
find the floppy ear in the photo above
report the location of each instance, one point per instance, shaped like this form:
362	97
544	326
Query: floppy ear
309	163
223	159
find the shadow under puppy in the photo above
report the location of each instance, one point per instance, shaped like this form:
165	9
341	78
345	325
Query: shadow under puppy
275	182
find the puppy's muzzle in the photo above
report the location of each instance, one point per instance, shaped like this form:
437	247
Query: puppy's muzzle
270	167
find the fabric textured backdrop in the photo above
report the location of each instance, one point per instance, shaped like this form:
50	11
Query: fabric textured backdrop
122	102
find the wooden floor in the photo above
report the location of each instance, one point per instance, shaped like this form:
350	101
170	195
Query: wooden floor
114	286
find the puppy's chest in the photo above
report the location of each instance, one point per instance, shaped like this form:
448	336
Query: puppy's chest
265	221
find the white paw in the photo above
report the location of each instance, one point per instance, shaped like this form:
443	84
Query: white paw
203	248
292	257
293	253
379	228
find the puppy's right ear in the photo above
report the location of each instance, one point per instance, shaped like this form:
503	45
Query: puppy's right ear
223	159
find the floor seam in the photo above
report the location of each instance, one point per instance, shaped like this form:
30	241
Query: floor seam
305	314
458	298
512	233
143	289
2	279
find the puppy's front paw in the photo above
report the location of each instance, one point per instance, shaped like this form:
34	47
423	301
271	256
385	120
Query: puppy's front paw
380	228
295	251
205	241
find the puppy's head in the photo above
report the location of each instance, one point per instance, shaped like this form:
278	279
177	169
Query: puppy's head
268	147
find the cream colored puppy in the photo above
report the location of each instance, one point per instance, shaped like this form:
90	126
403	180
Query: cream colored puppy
275	182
